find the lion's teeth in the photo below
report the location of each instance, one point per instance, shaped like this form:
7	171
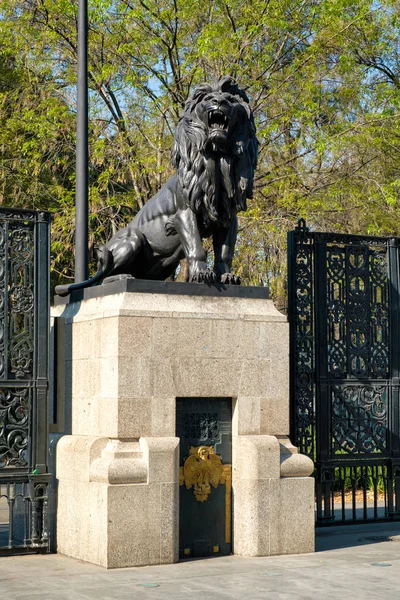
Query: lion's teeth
217	119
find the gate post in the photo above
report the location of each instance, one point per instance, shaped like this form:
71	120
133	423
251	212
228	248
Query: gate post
42	317
394	472
322	391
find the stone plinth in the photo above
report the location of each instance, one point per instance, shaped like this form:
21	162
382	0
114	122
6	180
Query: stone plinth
126	351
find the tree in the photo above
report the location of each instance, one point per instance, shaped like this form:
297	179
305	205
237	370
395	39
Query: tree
324	82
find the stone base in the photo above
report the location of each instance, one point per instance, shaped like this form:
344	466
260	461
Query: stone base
115	510
118	502
274	498
123	359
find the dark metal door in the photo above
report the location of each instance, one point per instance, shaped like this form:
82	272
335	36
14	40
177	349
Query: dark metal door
344	320
24	346
205	514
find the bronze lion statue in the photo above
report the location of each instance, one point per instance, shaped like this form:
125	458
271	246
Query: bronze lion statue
215	156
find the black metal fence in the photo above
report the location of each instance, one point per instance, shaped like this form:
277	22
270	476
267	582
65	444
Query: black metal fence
344	311
24	343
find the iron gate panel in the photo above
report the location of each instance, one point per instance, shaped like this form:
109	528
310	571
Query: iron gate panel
24	343
344	323
204	426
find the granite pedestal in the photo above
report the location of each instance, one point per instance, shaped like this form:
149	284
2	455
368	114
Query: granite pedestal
125	352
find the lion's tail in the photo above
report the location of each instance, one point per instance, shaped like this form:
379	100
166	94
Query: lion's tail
104	267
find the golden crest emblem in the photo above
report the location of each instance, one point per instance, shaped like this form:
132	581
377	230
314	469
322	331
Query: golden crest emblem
203	469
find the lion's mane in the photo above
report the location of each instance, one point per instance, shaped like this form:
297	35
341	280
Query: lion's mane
216	182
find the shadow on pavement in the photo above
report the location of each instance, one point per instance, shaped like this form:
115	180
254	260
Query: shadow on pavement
346	536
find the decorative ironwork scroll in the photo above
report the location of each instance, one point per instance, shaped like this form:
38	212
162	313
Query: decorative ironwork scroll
20	300
344	312
16	299
14	426
336	293
359	419
24	337
357	311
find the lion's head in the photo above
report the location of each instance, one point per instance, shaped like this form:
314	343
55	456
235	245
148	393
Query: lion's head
215	151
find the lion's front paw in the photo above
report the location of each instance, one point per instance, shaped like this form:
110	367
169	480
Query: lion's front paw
230	278
203	276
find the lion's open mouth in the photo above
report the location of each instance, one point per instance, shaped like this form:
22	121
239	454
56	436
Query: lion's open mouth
218	120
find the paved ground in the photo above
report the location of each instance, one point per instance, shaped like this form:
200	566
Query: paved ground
346	565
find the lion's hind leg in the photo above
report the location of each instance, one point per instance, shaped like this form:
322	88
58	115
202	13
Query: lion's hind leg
125	249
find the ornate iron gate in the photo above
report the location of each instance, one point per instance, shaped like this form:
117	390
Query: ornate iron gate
205	500
24	343
345	363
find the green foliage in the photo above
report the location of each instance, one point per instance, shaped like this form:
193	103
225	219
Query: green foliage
324	81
